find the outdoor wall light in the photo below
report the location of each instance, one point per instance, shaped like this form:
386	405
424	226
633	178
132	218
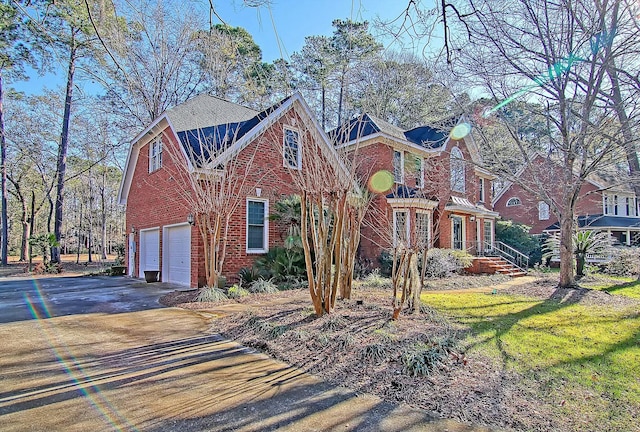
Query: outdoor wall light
190	219
472	218
133	229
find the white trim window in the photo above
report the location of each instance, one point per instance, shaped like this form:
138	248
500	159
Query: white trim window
398	166
155	154
423	229
420	173
400	228
543	210
257	225
481	190
514	201
291	151
457	170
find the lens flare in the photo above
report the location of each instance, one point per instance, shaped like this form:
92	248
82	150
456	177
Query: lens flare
381	181
73	368
460	131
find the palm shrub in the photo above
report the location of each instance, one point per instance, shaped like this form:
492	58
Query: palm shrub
283	263
585	242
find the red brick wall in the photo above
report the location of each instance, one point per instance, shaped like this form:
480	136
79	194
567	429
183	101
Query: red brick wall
154	198
589	201
379	156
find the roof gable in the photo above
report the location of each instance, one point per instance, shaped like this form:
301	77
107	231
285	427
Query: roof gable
200	142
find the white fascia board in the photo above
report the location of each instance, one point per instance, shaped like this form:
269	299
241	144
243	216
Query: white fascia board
407	145
419	203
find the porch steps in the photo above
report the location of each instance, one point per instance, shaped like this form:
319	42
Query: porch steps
494	265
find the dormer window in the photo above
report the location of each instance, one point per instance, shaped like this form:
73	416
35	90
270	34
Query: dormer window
514	201
291	149
155	155
457	170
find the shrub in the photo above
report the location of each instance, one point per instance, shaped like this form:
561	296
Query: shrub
423	358
263	286
386	263
250	274
236	291
517	236
376	352
445	262
333	323
283	263
375	280
211	294
625	262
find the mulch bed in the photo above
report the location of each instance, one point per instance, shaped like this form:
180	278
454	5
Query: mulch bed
357	346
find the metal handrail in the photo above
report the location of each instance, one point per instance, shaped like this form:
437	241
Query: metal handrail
498	248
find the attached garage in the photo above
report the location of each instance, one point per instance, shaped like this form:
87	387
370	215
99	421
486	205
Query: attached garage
176	254
149	250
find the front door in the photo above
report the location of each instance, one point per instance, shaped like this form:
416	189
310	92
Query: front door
488	235
457	236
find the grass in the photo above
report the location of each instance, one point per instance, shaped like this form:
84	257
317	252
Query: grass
583	360
618	285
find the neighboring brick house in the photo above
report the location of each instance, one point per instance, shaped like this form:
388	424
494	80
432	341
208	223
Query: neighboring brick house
438	194
602	204
159	220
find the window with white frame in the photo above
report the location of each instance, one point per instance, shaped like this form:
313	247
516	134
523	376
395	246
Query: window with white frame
457	170
155	154
257	225
620	205
543	211
400	228
420	173
481	190
514	201
398	166
291	149
423	229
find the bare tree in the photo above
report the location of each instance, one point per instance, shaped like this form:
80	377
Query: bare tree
558	55
213	182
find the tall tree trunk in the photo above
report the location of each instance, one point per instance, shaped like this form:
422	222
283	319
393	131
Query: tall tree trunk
32	224
25	229
62	151
3	166
567	279
103	210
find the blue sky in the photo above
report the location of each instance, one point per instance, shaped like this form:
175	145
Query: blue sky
291	20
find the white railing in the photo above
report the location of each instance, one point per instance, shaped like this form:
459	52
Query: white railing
504	251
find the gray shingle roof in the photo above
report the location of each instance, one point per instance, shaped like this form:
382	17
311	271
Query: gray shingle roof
206	110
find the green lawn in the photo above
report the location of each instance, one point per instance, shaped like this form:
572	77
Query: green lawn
583	360
618	285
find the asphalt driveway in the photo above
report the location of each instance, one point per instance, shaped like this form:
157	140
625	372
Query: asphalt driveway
27	298
159	369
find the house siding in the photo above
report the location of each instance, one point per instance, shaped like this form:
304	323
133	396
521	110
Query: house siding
156	199
589	200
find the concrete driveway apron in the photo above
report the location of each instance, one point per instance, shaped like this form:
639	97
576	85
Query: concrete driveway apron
167	370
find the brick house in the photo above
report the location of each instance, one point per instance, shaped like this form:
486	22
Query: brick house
438	193
602	205
161	234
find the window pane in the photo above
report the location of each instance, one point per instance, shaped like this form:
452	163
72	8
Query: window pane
397	167
291	149
256	213
255	237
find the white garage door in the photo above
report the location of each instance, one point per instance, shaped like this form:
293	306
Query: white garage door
177	255
149	250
